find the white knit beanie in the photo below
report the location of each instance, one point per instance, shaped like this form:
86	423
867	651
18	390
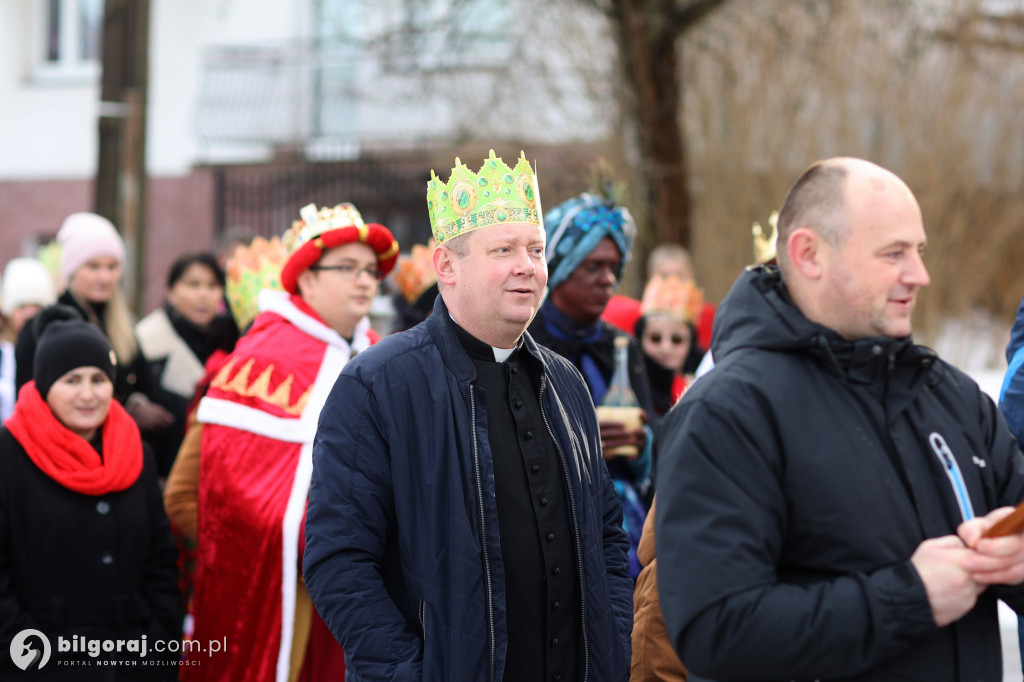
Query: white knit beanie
85	236
26	281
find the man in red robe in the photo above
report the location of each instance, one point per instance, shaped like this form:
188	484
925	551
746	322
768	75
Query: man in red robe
252	469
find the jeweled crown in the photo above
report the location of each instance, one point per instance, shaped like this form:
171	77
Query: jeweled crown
496	195
314	223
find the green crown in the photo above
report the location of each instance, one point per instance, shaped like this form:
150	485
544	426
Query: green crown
496	195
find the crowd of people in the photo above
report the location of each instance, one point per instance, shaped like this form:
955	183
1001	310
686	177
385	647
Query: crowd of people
454	502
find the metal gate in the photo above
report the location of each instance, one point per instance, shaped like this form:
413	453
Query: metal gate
264	200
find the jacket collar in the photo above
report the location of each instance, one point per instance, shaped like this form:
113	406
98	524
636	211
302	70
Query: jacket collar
442	329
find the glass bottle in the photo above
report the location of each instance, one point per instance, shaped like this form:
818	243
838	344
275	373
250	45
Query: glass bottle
620	392
620	403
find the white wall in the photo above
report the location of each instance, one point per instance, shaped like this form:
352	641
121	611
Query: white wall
48	127
180	31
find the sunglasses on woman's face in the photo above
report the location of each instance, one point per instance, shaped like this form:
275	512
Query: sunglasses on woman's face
675	339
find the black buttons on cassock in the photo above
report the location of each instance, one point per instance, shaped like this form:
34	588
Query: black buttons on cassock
103	507
543	501
535	468
551	537
518	404
107	559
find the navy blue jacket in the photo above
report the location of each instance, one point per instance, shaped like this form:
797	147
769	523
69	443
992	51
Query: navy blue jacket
797	479
402	554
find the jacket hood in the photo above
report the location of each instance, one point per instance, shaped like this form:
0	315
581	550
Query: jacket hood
759	313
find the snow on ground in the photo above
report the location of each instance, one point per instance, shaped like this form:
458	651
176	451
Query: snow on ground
976	343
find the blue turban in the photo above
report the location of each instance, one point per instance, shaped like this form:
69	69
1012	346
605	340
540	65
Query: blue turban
575	228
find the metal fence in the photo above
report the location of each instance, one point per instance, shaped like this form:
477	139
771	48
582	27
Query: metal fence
264	200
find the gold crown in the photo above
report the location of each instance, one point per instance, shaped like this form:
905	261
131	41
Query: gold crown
765	243
314	223
415	274
497	194
669	295
249	270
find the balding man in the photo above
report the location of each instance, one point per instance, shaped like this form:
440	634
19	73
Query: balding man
824	489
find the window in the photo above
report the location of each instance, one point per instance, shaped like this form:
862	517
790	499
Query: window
71	31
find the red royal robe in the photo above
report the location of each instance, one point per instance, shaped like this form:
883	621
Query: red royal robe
259	418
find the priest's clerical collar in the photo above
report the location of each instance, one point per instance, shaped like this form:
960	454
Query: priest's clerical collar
478	350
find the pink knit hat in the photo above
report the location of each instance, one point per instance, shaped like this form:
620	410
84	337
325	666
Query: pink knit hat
85	236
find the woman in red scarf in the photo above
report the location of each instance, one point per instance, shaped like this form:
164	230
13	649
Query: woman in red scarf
86	557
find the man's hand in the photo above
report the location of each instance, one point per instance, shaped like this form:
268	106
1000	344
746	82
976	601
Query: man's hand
996	561
615	434
941	563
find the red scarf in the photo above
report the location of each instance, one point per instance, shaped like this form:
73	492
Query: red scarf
68	458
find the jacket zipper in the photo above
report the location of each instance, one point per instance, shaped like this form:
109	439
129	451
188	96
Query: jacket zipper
576	529
483	533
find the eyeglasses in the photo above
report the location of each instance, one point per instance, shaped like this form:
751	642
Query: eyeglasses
675	339
348	270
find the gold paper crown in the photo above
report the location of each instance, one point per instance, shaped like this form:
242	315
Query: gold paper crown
497	194
314	223
765	244
669	295
249	270
415	274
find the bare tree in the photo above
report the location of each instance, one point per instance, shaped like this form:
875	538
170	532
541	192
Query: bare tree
647	33
882	80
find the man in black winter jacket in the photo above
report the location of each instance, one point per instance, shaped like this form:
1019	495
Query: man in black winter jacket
823	491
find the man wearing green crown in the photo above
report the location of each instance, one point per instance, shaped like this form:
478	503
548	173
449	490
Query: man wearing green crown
461	523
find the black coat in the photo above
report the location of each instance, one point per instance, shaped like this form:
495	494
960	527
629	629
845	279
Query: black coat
72	564
797	479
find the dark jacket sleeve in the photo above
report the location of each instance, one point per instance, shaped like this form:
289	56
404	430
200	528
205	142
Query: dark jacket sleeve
616	552
348	524
615	542
720	525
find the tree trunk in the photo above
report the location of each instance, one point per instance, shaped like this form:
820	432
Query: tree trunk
650	65
120	188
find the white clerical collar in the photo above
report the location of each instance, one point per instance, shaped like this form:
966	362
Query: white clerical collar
500	354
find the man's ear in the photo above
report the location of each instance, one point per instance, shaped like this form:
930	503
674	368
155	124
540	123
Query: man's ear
806	252
303	281
444	265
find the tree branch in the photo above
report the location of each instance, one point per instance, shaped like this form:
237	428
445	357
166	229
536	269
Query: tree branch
685	16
